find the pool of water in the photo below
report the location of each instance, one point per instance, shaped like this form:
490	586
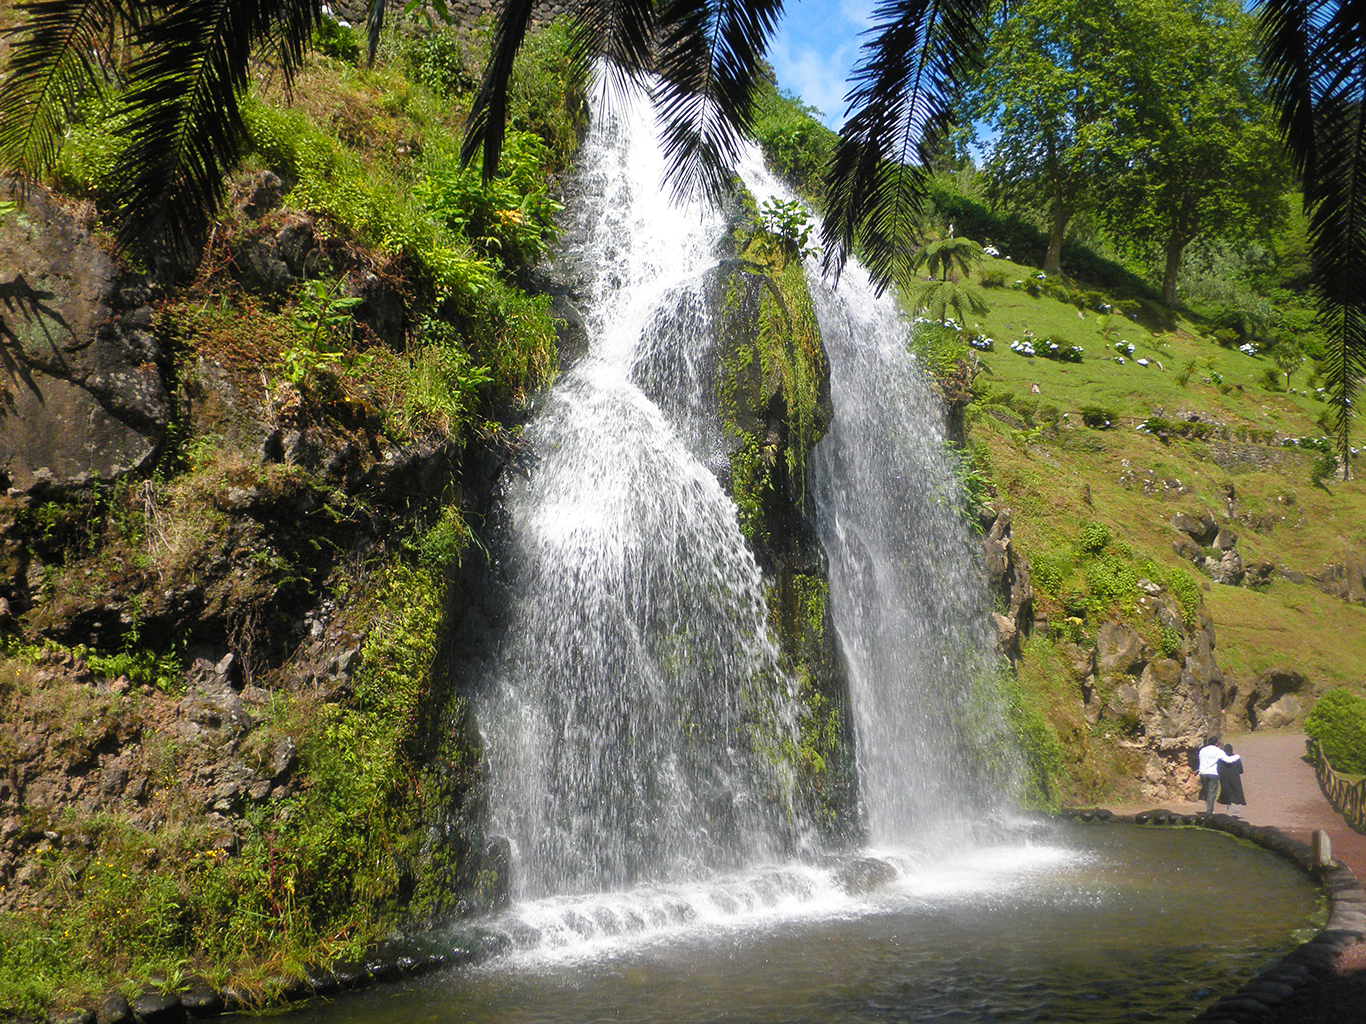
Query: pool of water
1098	923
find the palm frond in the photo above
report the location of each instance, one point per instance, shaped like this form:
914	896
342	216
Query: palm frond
901	107
622	31
1315	57
374	25
1336	196
1283	39
708	62
488	114
185	130
54	63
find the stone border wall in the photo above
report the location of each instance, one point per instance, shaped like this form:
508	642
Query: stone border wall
1301	969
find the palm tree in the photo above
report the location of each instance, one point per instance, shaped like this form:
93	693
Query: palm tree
192	59
189	69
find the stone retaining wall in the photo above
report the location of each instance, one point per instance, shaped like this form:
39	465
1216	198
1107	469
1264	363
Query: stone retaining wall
1303	968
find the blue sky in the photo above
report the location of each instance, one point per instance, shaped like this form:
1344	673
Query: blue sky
815	46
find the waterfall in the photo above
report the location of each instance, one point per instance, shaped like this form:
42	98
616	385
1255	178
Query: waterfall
636	682
638	702
905	590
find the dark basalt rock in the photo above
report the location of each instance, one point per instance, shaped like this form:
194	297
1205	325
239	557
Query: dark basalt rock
114	1010
153	1007
86	398
201	999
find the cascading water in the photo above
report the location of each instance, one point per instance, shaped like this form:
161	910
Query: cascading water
628	715
637	674
905	592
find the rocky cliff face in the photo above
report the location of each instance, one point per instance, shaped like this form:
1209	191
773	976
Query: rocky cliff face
204	575
85	395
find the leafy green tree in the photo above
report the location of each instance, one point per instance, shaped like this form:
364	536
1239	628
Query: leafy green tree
1193	152
1043	93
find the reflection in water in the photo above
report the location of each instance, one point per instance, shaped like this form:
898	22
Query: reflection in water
1102	923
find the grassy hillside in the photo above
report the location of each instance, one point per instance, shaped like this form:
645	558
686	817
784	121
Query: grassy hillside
1221	451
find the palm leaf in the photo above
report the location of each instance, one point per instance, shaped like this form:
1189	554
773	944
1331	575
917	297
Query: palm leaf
1336	196
186	130
901	106
52	66
708	63
488	113
374	25
1315	58
622	31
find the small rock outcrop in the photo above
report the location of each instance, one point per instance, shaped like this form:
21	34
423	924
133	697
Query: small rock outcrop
1007	580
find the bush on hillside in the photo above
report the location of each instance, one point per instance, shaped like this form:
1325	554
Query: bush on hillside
1338	723
1098	417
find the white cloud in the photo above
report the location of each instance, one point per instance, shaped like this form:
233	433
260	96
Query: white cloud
814	49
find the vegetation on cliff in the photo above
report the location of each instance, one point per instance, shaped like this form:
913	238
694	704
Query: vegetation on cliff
221	709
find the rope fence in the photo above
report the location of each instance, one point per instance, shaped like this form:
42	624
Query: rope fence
1348	798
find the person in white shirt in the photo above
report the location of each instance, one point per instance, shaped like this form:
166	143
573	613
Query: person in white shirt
1210	756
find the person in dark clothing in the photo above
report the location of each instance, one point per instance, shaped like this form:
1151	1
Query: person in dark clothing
1231	782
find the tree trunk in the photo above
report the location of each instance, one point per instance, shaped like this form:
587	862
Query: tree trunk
1052	261
1062	213
1174	247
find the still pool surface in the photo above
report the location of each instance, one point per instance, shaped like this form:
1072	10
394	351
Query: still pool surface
1098	923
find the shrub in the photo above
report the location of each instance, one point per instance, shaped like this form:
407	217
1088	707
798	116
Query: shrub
1098	417
1338	723
332	39
1325	467
993	279
1169	641
1187	591
1050	569
795	144
1093	537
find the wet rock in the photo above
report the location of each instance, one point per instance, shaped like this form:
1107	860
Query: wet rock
152	1007
201	999
864	875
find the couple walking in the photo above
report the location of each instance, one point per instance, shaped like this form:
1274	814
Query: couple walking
1221	772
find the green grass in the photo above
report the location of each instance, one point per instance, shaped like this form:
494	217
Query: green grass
1135	391
1062	479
